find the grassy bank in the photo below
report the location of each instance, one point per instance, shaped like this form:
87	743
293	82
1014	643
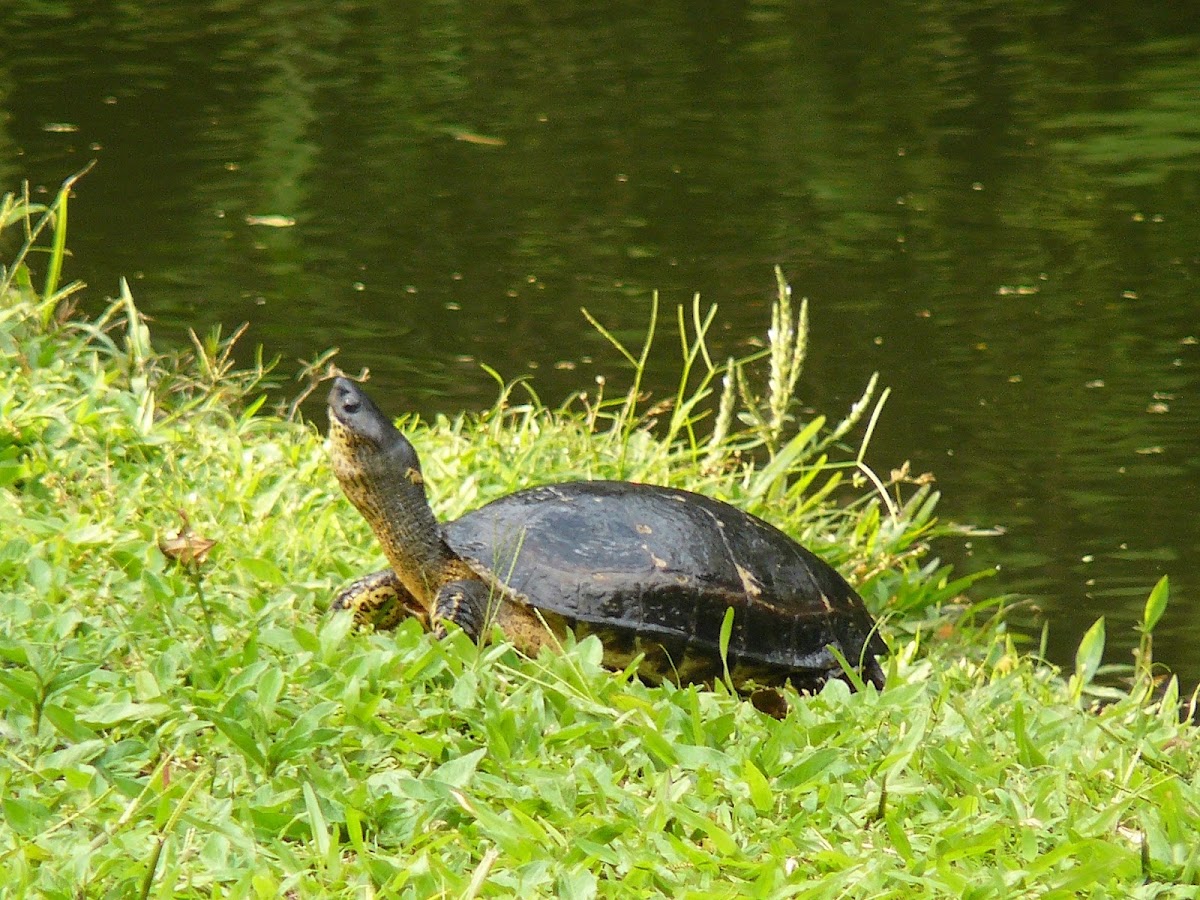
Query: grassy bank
184	720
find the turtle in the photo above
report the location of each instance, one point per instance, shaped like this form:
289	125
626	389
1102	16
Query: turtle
650	570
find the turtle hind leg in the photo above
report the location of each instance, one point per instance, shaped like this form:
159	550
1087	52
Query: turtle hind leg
379	601
465	602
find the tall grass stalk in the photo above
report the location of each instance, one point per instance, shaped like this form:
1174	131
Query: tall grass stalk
13	210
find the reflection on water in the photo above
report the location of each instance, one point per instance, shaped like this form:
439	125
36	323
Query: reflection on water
993	206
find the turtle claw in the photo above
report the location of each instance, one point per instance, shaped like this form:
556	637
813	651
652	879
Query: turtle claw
379	601
463	602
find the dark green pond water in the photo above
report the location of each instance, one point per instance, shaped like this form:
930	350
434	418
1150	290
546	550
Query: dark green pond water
993	205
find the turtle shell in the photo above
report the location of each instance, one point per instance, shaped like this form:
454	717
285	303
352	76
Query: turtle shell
653	570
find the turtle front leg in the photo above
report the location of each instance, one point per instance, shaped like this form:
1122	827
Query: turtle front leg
380	601
464	602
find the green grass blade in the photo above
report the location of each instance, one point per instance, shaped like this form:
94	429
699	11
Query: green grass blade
58	245
1156	604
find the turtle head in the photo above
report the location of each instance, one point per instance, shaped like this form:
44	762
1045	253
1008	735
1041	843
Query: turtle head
359	429
363	442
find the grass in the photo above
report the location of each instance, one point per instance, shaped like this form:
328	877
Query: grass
182	719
